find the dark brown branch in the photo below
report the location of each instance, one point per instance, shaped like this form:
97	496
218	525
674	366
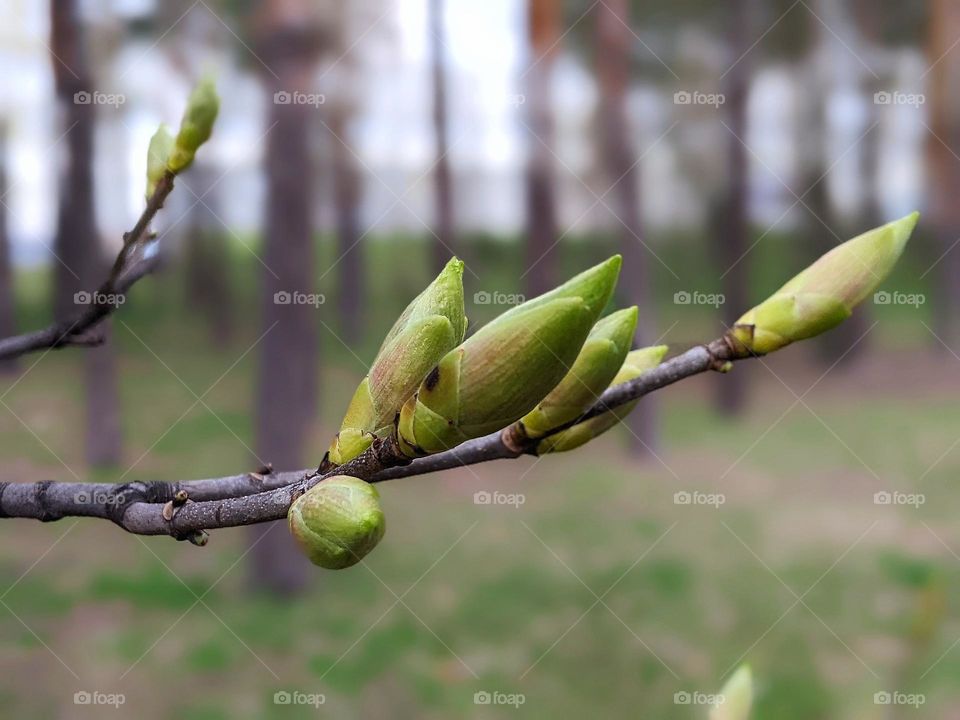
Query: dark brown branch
185	509
128	268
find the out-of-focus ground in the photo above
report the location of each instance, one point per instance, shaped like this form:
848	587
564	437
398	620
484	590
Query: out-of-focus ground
600	595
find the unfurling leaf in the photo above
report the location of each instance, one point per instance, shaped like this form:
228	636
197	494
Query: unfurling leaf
735	698
337	522
196	124
158	153
825	293
597	364
637	363
432	325
500	374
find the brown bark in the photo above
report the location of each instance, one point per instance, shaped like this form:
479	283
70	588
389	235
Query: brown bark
287	374
444	243
541	251
8	322
78	262
733	223
944	169
619	158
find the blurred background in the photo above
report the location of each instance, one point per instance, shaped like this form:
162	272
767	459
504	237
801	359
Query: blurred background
796	514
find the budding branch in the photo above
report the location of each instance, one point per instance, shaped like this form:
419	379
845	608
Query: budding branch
186	509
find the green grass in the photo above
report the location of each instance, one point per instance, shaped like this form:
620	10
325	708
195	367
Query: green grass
690	591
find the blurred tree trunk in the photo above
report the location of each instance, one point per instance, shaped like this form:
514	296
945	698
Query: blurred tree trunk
80	263
287	374
944	28
444	244
208	287
347	186
8	322
732	226
619	157
541	253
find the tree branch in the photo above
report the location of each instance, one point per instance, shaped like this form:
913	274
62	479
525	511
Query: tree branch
184	510
129	266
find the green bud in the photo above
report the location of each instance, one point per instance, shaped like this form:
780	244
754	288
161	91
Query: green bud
161	145
597	364
196	124
736	697
337	522
432	325
637	363
825	293
500	374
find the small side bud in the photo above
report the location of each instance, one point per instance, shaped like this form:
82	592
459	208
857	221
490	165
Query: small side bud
337	522
599	360
196	124
637	363
158	153
736	697
825	293
432	325
500	374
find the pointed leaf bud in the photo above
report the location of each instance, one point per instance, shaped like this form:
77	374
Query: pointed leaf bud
158	152
736	697
432	325
637	363
599	360
196	124
337	522
502	372
825	293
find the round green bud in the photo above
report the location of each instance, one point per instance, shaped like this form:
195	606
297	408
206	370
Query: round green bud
337	522
196	125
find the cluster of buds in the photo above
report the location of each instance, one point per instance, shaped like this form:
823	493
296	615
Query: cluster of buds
337	521
499	374
826	292
167	153
432	325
